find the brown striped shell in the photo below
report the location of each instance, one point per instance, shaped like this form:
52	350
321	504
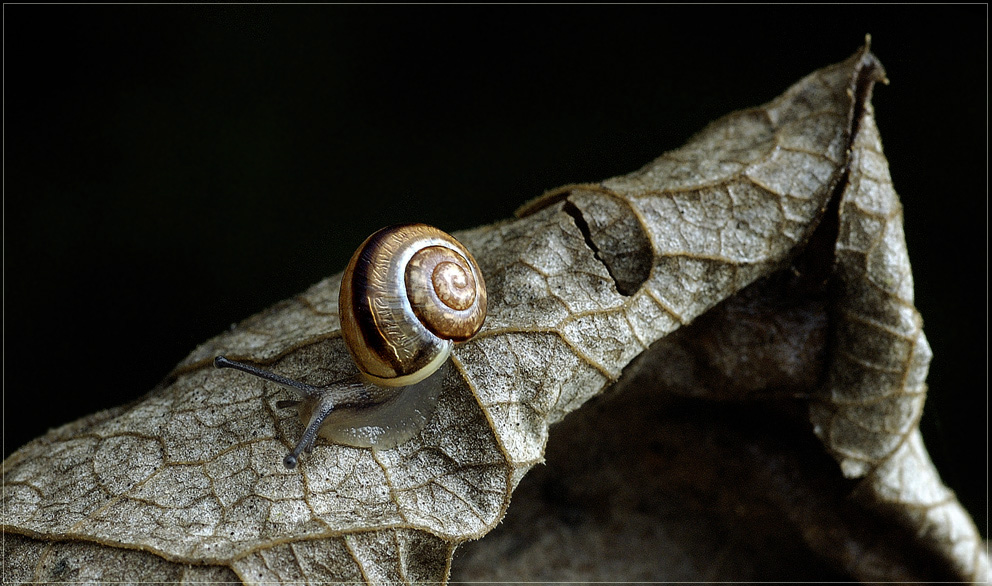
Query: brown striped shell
409	292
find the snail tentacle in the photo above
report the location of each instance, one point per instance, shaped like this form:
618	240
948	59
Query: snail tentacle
302	388
319	402
309	437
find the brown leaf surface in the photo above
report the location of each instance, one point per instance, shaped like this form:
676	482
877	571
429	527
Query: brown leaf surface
187	484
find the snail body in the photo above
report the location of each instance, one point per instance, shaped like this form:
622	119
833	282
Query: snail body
382	417
409	293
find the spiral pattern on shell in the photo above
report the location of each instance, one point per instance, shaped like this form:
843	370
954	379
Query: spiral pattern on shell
409	292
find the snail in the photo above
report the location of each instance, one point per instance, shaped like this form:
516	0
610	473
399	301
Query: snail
410	292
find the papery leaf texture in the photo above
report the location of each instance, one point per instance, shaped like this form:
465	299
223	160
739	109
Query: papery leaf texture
732	325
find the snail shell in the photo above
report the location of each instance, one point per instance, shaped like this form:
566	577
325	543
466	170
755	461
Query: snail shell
409	293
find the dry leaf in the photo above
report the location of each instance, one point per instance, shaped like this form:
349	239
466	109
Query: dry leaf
188	485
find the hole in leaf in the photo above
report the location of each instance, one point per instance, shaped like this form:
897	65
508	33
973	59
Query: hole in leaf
615	235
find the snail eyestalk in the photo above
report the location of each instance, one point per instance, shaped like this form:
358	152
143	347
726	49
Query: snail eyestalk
324	406
303	388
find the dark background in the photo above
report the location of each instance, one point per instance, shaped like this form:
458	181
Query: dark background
170	170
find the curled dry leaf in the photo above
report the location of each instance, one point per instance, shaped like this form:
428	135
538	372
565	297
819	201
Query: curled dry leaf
776	227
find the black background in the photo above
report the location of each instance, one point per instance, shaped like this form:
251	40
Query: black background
170	170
